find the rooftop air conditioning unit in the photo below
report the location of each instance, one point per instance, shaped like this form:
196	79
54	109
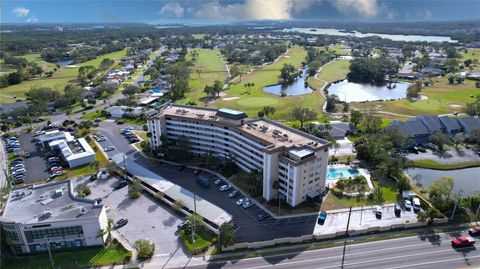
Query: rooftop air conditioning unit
83	210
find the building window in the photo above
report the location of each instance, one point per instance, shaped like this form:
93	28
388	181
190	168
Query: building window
54	232
11	235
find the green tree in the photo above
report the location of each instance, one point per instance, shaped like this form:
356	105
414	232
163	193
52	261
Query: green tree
288	73
372	122
145	249
226	236
107	231
135	189
303	115
439	139
268	111
131	90
442	188
356	117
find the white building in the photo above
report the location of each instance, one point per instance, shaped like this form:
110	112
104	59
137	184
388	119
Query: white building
35	215
294	159
74	152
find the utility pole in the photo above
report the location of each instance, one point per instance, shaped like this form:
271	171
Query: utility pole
361	210
456	205
125	166
346	236
194	216
50	252
478	210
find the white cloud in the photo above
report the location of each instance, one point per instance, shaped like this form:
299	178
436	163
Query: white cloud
32	19
20	11
172	9
364	8
253	9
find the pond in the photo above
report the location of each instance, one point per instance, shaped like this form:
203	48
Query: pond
65	63
467	180
359	92
336	32
298	87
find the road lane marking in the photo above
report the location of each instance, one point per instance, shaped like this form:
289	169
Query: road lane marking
433	262
352	263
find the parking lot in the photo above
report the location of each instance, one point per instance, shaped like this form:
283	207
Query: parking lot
35	164
147	219
244	219
362	219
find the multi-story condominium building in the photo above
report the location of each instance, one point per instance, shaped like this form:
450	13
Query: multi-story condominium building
36	216
294	159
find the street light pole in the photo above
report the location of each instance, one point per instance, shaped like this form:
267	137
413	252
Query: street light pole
456	205
194	216
346	236
125	166
50	252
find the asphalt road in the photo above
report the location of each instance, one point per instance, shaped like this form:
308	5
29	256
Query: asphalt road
433	251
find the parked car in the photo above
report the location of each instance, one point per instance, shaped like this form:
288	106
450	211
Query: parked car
233	194
397	209
322	217
407	204
121	184
98	200
98	119
27	155
247	204
217	181
378	212
120	223
416	204
197	171
93	177
17	181
462	241
475	231
241	200
261	216
183	224
181	168
226	187
110	148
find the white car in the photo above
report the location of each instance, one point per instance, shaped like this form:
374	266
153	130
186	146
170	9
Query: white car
225	187
408	204
241	201
110	148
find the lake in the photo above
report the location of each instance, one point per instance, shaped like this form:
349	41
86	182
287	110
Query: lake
359	92
65	63
467	180
298	87
337	32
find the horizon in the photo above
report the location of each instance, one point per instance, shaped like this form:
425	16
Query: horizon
185	11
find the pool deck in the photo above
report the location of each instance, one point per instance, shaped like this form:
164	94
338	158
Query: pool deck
361	171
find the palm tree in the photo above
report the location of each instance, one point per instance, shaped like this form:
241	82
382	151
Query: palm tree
108	230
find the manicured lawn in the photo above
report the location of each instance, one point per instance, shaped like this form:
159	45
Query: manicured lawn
389	195
115	254
442	98
208	68
94	115
257	99
335	71
142	135
59	79
431	164
203	239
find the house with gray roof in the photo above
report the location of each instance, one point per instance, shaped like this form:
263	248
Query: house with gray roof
469	124
451	125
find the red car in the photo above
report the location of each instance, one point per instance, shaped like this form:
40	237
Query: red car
462	241
474	231
197	171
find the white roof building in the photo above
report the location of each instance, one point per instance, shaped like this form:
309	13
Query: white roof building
75	152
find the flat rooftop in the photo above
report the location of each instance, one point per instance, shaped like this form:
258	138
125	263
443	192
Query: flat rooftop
273	134
48	203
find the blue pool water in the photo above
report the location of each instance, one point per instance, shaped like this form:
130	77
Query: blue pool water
336	173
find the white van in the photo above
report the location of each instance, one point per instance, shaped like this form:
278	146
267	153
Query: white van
416	204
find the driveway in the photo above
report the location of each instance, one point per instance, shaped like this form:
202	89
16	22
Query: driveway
346	148
450	156
147	219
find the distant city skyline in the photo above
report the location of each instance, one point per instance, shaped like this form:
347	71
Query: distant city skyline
164	11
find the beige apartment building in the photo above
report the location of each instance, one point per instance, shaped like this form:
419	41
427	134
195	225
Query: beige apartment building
294	159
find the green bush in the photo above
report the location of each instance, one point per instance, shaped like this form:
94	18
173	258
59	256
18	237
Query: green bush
145	249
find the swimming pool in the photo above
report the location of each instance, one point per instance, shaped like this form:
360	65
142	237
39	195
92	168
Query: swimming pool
336	173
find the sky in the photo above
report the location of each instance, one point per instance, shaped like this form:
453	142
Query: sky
165	11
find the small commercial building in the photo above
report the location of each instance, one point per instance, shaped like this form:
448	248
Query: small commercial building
117	112
50	216
75	152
